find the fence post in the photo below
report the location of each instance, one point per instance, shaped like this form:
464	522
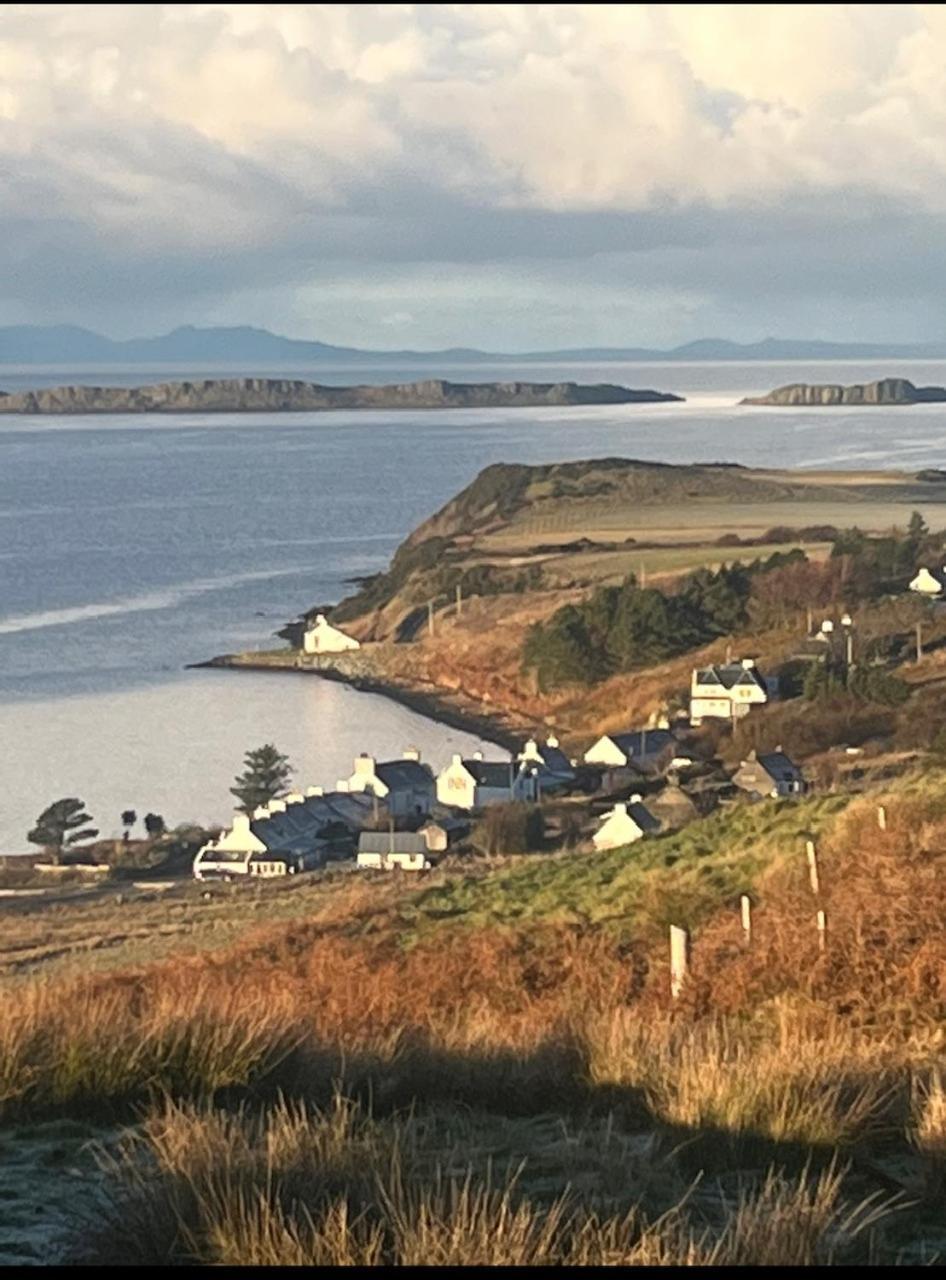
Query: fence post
679	959
822	930
746	909
882	817
812	866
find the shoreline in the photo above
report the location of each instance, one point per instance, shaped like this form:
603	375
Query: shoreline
432	706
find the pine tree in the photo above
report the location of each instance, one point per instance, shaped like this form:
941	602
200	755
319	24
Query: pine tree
62	823
265	777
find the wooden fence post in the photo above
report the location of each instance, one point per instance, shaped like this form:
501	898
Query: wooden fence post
746	909
882	817
679	959
812	866
822	930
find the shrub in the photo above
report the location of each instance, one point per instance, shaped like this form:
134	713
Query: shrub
509	828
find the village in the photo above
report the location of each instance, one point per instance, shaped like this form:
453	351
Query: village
402	815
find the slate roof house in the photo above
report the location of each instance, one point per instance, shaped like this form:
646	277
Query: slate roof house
474	783
771	774
549	763
293	834
727	691
407	786
393	850
644	750
625	824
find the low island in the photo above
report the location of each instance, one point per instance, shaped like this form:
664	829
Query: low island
280	395
885	391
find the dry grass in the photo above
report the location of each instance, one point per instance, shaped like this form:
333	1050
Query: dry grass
293	1186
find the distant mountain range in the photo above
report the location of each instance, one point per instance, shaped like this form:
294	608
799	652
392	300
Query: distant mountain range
243	344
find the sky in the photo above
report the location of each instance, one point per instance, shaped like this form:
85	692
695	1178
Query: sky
506	176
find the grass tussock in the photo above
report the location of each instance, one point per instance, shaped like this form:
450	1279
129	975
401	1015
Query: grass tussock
293	1186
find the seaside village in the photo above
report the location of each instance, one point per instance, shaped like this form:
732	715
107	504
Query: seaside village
403	815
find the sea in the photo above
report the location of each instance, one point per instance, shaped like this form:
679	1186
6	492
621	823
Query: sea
131	547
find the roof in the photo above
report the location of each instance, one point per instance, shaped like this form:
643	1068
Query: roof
490	773
777	764
555	760
654	741
391	842
295	829
730	674
399	774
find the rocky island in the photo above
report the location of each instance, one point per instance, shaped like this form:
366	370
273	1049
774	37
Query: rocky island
280	395
883	392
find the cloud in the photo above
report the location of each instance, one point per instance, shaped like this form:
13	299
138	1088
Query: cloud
210	156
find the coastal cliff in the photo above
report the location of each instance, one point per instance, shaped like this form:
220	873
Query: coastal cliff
886	391
275	395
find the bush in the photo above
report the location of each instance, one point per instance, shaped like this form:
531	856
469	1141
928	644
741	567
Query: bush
509	828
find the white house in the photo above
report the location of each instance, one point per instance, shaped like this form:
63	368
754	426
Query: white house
727	691
624	824
393	851
407	786
296	833
548	762
475	782
322	637
929	582
641	749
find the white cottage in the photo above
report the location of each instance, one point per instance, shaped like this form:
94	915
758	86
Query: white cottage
322	637
727	691
475	782
407	786
625	824
642	749
929	582
393	851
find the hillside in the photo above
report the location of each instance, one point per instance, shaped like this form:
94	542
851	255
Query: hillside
190	344
277	395
382	1072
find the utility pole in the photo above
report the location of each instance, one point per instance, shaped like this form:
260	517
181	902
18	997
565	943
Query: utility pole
459	599
430	617
643	575
919	641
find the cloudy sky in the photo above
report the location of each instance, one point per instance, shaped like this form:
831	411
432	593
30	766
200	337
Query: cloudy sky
506	176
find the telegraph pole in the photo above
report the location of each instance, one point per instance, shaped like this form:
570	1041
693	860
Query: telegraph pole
430	617
459	599
919	641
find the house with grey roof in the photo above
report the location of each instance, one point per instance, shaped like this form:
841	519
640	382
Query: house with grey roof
288	835
474	783
635	750
770	773
393	851
407	786
727	691
548	763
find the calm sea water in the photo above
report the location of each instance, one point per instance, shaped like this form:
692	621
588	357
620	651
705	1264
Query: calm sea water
130	547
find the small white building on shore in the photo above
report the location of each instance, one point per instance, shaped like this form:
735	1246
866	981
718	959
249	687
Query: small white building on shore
475	783
322	637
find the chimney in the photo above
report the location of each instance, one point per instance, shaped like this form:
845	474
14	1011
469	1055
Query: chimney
314	791
619	810
277	806
551	740
477	755
456	759
748	664
241	823
636	799
364	765
411	753
320	619
260	812
295	797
